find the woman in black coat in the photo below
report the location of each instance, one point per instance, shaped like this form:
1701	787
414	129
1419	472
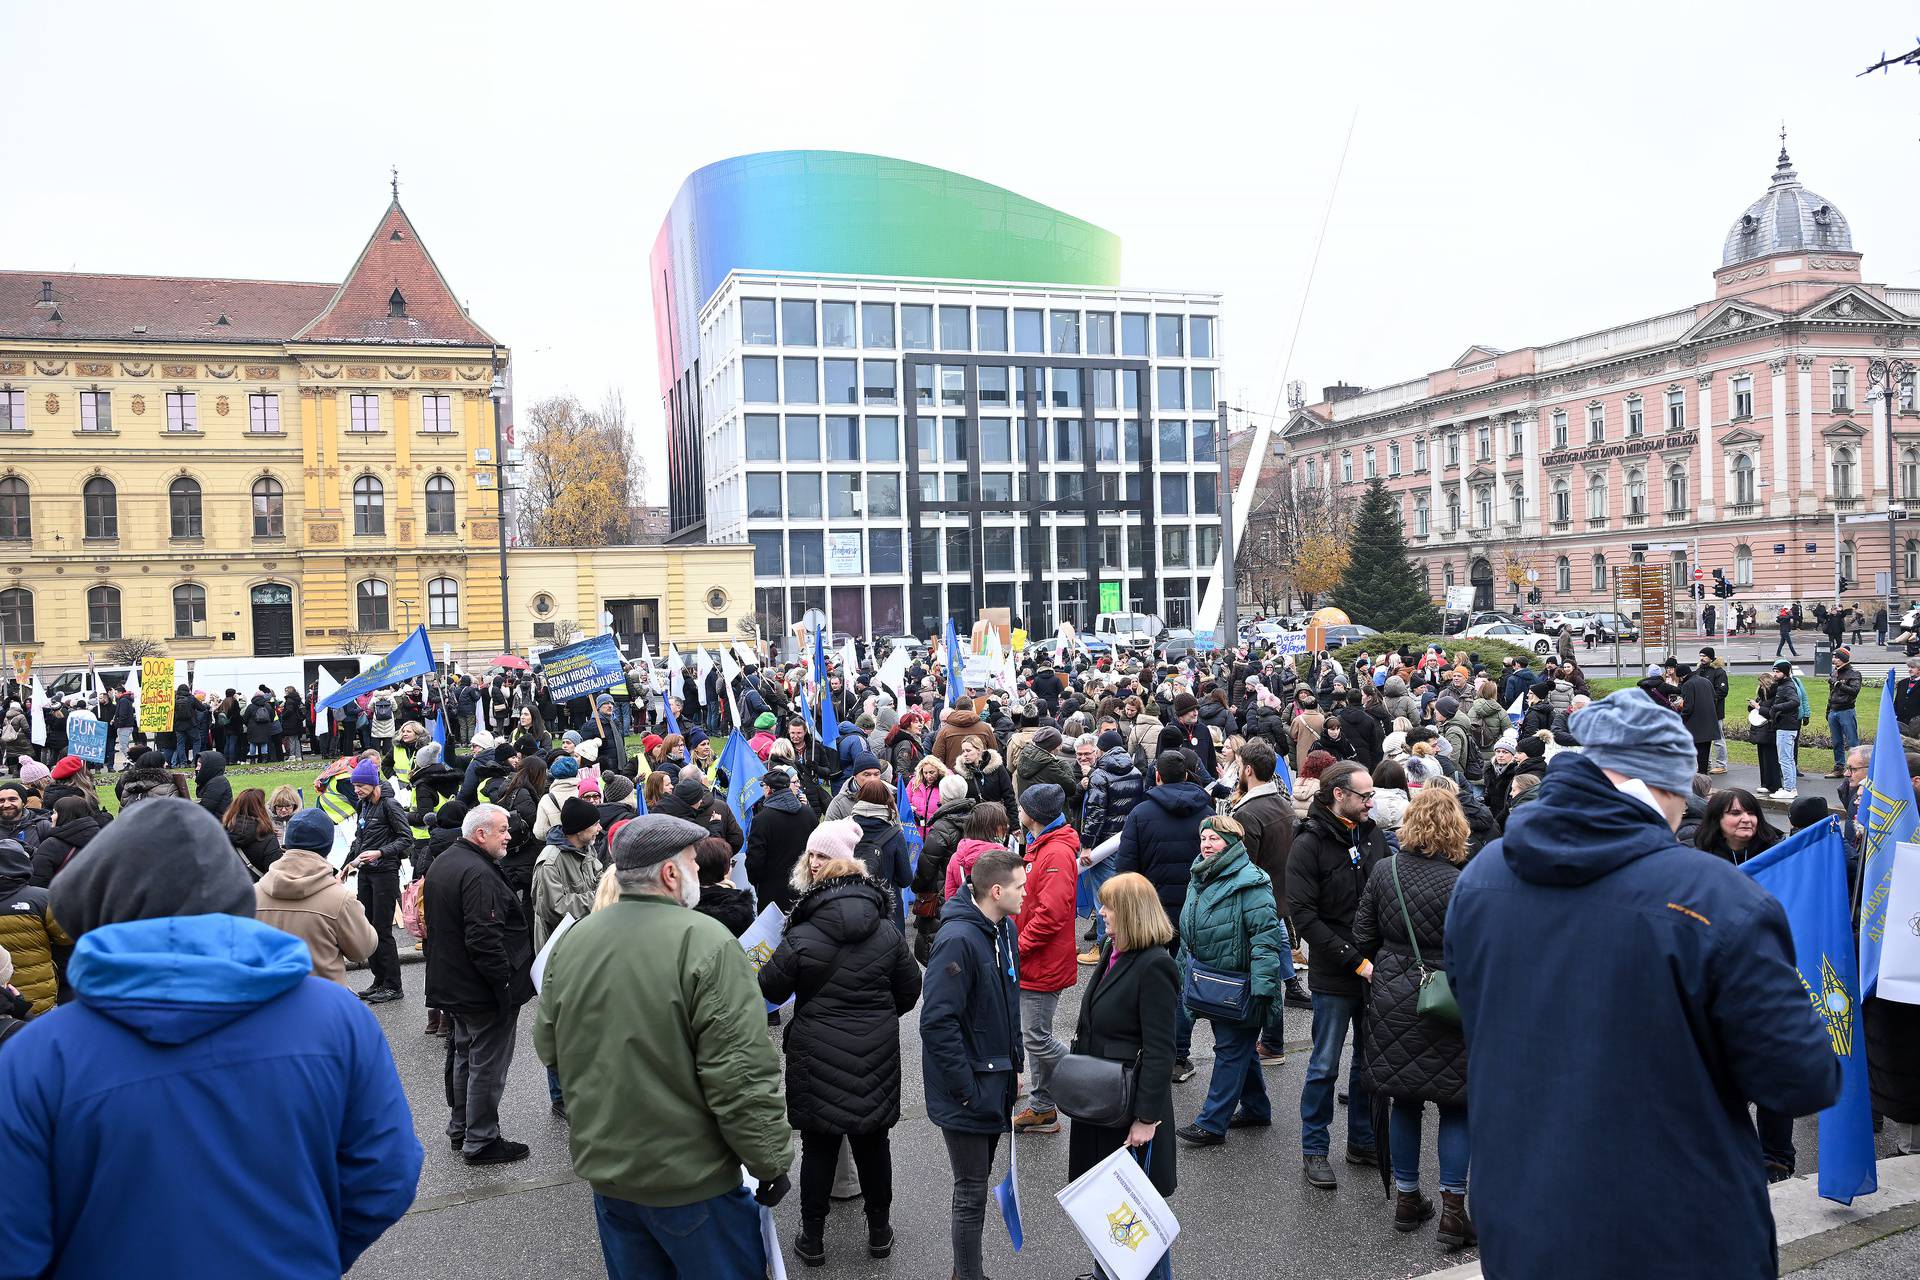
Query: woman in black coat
1127	1014
1410	1058
854	978
782	821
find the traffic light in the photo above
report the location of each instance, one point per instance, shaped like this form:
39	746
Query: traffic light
1533	597
1842	585
1721	587
1699	591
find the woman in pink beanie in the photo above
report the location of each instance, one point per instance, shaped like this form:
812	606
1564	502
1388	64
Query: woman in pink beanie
830	840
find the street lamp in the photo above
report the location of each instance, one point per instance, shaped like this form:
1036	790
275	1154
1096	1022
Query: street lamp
1888	376
407	605
497	389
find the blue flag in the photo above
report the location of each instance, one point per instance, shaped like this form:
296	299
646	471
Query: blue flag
829	718
744	773
1007	1193
910	831
1886	817
666	701
956	685
411	660
440	726
1807	872
639	800
1282	774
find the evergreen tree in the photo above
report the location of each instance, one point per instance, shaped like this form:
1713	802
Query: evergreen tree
1381	588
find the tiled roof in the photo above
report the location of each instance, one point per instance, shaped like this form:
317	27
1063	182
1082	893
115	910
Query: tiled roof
366	308
122	308
154	308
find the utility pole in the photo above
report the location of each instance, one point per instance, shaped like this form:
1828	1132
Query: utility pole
1889	376
1228	635
495	391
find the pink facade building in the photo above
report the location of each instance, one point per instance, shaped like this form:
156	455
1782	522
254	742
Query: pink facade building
1728	436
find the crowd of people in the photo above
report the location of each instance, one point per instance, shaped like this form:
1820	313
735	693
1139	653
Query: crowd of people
1215	840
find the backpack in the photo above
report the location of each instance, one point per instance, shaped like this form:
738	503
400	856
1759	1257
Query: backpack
867	852
262	714
9	1026
1485	735
1473	762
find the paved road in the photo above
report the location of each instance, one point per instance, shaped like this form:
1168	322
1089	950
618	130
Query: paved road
1241	1206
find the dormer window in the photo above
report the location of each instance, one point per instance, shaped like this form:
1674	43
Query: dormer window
46	291
397	304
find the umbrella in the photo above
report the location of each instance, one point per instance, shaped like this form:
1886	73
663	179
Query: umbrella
1380	1104
509	660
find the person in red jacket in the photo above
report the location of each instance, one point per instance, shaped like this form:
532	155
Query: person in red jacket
1048	953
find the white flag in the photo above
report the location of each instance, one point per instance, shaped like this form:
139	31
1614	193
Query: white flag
747	656
893	674
849	662
39	696
992	647
702	663
326	688
1010	675
728	670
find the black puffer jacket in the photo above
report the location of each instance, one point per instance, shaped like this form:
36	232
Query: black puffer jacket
944	833
855	979
145	784
1408	1056
1113	789
781	824
59	845
210	785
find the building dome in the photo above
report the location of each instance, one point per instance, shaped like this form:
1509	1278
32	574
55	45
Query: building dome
1786	218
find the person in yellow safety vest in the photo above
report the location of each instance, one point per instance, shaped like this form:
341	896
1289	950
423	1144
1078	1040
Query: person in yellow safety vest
701	747
398	763
1019	639
434	783
336	804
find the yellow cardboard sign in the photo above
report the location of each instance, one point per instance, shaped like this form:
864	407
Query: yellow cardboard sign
156	695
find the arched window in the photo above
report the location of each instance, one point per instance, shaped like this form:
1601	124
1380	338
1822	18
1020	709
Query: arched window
16	515
369	508
183	508
370	599
1563	575
1912	556
1446	573
1453	510
1847	559
1599	572
1636	492
1743	481
1518	494
1562	502
103	613
189	610
1843	472
1743	565
439	504
102	507
1676	488
1483	505
1596	497
1420	516
269	508
443	603
1909	475
16	615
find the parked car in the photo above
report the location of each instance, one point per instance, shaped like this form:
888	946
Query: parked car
1553	620
1338	637
1513	633
1603	628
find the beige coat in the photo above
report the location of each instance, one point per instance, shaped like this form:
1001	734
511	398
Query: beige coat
300	895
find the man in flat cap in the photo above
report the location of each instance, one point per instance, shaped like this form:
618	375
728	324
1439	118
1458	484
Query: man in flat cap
652	1019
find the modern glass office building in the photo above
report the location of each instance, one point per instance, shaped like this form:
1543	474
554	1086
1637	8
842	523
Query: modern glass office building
916	394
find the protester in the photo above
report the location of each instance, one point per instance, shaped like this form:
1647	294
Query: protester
970	1042
1702	1015
180	995
944	834
566	872
250	830
1127	1016
381	838
478	973
782	821
730	904
1415	1058
37	943
1047	956
1333	853
1735	827
650	1009
301	894
855	979
74	824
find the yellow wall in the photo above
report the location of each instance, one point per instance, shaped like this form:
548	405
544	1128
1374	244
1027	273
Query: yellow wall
314	457
579	582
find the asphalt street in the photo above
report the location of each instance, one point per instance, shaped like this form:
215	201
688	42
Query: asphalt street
1242	1206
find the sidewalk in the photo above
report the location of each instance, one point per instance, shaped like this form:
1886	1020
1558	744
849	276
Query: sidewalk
1748	776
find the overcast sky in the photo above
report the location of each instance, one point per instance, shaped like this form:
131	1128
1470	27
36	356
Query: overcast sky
1517	174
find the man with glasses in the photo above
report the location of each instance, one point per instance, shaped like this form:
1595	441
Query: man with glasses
1333	853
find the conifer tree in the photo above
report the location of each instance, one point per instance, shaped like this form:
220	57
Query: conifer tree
1381	588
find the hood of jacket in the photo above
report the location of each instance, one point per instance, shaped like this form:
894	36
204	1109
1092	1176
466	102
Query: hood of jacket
1585	827
1116	763
960	908
212	765
243	832
15	865
1395	687
174	979
77	833
783	802
1182	799
298	873
964	718
136	783
954	810
847	909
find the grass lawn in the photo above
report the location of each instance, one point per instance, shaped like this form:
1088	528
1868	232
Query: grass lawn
1742	688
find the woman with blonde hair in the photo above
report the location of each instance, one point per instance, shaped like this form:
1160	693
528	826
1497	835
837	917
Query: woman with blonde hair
923	792
281	806
1413	1058
1127	1015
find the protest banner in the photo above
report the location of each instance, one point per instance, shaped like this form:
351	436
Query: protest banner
88	739
156	695
1121	1215
546	952
582	668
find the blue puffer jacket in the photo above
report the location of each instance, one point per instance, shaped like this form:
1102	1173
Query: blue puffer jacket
205	1107
1624	995
970	1054
1161	838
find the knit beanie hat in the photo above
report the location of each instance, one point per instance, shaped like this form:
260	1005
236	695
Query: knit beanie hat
481	740
427	756
952	787
837	839
1447	706
565	767
309	829
366	774
576	815
763	721
32	771
571	737
616	788
1627	733
162	857
863	762
691	792
1048	739
1112	741
1043	802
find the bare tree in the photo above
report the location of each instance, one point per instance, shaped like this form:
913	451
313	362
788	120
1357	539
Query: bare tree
1294	542
127	651
581	475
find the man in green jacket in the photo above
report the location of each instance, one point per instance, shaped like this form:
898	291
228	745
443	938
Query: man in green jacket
652	1019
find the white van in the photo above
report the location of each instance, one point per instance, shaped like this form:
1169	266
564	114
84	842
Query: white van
1129	630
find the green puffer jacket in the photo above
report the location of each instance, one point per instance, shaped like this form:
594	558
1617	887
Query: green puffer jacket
1037	765
1229	922
653	1019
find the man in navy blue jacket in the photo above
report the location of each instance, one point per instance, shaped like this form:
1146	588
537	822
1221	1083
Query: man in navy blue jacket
1160	840
205	1106
1625	999
970	1055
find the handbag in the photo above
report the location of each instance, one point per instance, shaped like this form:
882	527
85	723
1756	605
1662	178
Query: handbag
1436	990
1097	1091
1757	718
1216	993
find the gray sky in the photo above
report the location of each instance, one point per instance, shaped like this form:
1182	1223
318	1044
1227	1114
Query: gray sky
1518	173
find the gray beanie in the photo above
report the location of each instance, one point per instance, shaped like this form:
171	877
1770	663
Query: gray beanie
652	838
1043	802
1629	733
161	857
